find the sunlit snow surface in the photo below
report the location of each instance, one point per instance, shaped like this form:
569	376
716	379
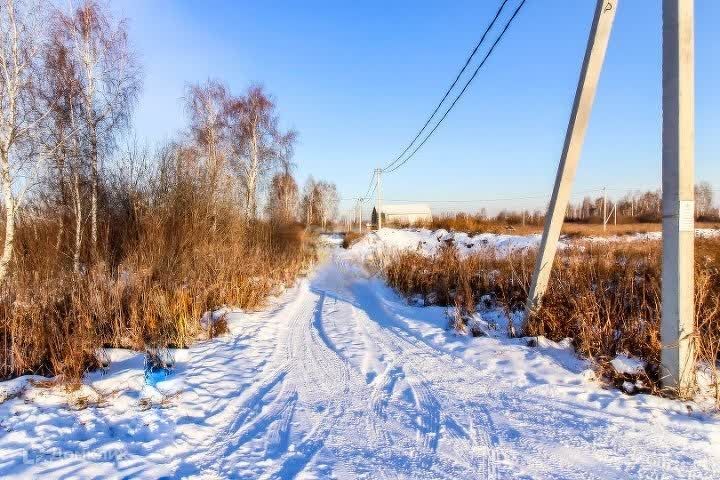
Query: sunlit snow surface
340	378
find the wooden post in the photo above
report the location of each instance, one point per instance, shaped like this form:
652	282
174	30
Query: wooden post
678	137
574	137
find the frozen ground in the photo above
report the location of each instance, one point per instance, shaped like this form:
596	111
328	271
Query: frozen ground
340	378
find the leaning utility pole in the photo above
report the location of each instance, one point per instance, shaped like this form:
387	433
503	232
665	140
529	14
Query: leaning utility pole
378	198
678	137
574	137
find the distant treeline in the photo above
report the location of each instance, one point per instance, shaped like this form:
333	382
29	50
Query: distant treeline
635	207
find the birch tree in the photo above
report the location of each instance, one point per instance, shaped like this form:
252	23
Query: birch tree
109	80
309	203
329	199
68	173
256	142
703	199
284	193
20	113
206	105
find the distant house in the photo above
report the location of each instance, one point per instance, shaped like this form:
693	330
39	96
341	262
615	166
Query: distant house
403	214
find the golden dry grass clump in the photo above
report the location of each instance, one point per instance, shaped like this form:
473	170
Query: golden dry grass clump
168	253
606	297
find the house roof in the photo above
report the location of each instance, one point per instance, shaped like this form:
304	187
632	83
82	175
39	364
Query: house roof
406	209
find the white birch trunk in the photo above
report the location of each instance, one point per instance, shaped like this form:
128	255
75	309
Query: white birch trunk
10	207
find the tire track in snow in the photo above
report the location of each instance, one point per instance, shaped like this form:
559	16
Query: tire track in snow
271	417
247	404
422	361
314	366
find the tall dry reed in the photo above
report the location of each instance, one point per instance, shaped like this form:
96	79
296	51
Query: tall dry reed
606	297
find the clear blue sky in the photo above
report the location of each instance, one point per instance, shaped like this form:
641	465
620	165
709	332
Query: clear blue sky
357	80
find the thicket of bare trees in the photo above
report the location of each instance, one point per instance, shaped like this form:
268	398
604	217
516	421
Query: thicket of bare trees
635	207
21	113
645	207
108	242
319	204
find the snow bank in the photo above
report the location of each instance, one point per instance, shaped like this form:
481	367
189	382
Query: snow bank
628	365
427	242
330	239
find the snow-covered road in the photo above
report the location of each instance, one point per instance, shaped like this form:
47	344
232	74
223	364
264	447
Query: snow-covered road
340	378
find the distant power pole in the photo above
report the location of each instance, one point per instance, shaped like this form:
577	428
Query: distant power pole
574	137
605	216
615	214
378	198
678	309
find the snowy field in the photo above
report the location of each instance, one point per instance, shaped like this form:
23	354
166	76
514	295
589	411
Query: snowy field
429	241
340	378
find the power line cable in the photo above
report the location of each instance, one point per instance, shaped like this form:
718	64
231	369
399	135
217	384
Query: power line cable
370	185
373	191
525	197
457	77
492	48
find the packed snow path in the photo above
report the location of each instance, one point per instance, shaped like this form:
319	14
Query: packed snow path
340	378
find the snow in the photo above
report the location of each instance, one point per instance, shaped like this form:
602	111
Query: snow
427	242
628	365
331	239
340	378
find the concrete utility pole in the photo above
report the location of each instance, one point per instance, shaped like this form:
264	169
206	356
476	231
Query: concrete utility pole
678	137
574	137
615	214
605	217
378	198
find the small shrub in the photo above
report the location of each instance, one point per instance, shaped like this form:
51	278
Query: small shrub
351	238
218	327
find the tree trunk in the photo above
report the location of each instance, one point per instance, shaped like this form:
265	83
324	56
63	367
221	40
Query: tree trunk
78	222
250	199
253	173
94	195
9	241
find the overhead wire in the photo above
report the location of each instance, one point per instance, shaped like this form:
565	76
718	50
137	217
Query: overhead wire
467	84
370	185
452	85
481	200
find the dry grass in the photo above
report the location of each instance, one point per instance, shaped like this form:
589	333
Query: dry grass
605	297
54	324
168	254
351	238
472	224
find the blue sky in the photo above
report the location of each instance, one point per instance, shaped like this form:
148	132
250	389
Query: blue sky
358	79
